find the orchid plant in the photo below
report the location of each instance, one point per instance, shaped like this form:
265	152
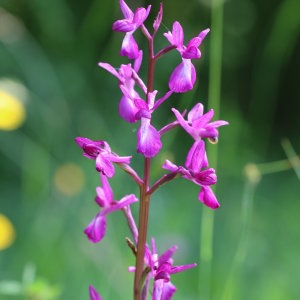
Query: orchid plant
152	272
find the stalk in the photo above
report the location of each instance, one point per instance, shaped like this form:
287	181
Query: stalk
207	224
144	195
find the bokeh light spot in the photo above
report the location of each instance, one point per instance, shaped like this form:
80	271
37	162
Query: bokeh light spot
12	111
7	232
69	179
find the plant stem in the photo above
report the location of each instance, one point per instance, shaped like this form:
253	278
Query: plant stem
207	224
143	226
144	195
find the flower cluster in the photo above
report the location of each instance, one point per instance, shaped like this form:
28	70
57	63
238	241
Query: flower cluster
139	107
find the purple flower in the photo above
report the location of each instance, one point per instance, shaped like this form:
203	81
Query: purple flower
184	75
95	231
129	25
203	178
148	139
198	126
207	196
101	152
161	269
132	20
129	47
127	78
94	294
176	38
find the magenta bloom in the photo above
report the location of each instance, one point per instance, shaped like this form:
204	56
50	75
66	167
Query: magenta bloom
203	178
184	75
95	231
148	139
101	152
132	21
126	76
161	270
94	294
198	126
129	47
129	25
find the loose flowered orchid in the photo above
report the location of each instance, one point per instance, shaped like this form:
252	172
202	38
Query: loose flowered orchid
148	139
95	231
198	126
138	104
132	21
161	269
129	25
203	178
101	152
127	77
184	75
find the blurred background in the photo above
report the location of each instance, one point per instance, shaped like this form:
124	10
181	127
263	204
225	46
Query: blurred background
51	90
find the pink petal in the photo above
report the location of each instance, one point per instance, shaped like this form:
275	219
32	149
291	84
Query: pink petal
195	113
141	15
95	231
208	197
177	33
129	47
184	124
127	12
123	26
105	166
127	110
203	34
183	77
202	121
196	156
94	294
158	18
110	69
168	291
148	138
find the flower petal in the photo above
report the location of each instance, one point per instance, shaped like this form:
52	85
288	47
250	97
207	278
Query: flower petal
196	157
183	77
195	113
168	291
129	46
118	205
178	35
158	18
184	124
95	231
94	294
123	26
208	197
105	166
141	15
148	137
127	110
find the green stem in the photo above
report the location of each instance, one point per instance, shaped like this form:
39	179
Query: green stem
240	254
143	227
207	224
292	156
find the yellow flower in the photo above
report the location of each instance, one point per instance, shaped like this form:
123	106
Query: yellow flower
12	111
7	232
